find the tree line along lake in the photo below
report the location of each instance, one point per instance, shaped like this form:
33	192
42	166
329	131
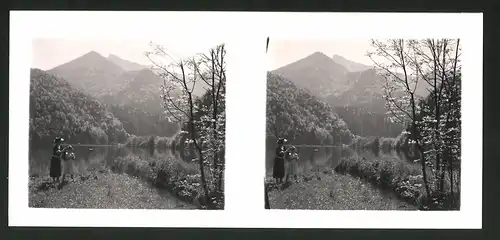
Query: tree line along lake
97	156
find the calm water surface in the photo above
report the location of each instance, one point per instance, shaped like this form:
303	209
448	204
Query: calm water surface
98	156
325	157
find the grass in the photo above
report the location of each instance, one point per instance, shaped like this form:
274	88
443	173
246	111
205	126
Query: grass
99	189
179	178
401	177
327	190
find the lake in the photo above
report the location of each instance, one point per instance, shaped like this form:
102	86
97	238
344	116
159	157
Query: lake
96	156
326	157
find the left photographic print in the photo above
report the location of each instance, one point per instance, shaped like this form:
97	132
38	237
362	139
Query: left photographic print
117	124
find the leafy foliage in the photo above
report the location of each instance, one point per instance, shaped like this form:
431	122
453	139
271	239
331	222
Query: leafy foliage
434	121
203	118
58	109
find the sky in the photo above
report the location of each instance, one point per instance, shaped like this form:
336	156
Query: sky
49	53
283	52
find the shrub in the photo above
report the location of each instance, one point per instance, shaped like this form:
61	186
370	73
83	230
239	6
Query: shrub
180	178
403	178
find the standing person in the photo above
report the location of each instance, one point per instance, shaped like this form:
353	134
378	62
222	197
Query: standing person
55	161
279	161
292	158
68	157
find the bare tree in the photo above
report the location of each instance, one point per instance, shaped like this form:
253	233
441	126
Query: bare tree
400	88
212	70
406	64
206	131
436	61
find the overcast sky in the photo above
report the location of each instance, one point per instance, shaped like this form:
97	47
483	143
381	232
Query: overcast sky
283	52
49	53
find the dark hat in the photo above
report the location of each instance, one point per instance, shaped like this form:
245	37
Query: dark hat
58	140
281	141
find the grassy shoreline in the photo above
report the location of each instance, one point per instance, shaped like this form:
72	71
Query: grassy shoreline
403	178
99	188
179	178
386	175
328	190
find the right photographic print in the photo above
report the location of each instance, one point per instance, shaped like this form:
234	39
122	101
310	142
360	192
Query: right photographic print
363	124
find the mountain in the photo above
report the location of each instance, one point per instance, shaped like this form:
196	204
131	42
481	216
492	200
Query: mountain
132	96
317	73
350	65
92	73
125	64
139	89
139	104
357	96
354	90
364	88
57	109
298	115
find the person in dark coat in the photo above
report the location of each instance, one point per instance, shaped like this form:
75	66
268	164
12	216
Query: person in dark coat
279	162
55	161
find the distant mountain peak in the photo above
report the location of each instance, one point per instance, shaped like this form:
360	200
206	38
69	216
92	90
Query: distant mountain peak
91	59
318	54
92	54
317	73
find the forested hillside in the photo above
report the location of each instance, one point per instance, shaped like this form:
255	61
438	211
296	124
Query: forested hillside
129	90
57	109
353	89
298	115
363	122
